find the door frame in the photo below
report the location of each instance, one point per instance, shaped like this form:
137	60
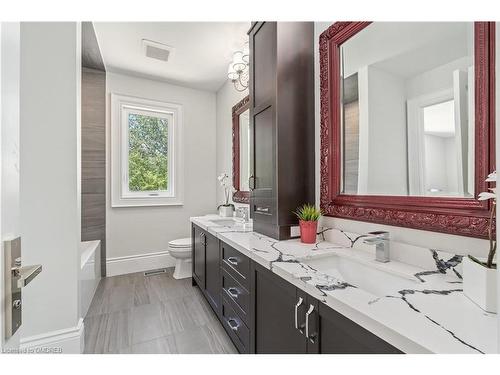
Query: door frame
9	157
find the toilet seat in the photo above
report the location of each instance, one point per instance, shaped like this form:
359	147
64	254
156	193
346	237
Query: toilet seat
181	243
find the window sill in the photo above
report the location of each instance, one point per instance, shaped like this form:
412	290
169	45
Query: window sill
146	202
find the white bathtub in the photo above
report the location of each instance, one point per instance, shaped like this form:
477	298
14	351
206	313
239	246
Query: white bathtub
90	273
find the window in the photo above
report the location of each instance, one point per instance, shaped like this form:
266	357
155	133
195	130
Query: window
146	152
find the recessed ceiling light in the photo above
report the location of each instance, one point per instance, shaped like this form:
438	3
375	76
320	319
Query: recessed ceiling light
158	51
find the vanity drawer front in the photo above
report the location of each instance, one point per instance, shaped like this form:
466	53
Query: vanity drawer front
237	264
236	294
235	327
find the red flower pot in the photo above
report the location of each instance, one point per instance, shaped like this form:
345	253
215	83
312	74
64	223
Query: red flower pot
308	230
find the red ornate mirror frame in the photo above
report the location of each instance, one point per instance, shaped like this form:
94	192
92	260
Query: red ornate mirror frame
460	216
238	196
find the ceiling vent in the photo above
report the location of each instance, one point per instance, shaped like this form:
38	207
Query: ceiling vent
157	50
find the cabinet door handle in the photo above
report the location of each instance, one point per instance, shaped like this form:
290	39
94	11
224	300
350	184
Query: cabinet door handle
233	292
299	302
233	324
263	210
233	261
311	308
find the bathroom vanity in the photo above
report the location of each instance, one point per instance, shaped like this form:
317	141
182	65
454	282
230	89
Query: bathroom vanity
330	297
380	161
264	313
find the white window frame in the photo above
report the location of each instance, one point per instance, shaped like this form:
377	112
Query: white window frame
121	196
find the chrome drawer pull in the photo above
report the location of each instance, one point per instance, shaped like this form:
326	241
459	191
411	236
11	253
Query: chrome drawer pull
311	308
262	209
233	261
235	326
233	292
296	308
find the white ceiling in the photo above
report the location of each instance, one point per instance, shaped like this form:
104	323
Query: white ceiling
202	50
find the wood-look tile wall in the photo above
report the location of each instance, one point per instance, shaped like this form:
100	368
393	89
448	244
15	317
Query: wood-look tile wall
94	159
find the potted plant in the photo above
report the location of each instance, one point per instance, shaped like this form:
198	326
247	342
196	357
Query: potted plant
480	275
226	209
308	220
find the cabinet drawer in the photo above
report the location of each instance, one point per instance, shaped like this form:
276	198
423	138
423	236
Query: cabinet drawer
235	327
237	294
237	264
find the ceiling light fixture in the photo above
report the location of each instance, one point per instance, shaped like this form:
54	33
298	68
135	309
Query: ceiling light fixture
238	69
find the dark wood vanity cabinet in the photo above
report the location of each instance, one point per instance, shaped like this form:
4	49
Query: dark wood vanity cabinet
206	266
281	123
278	318
212	269
340	335
263	313
288	320
198	255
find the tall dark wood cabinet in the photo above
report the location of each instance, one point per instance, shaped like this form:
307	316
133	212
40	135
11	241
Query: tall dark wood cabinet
281	123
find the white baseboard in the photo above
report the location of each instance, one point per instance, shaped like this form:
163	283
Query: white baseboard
65	341
138	263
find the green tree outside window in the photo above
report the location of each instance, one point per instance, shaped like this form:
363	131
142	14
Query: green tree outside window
148	153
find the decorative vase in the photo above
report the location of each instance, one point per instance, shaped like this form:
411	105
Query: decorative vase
480	285
226	211
308	230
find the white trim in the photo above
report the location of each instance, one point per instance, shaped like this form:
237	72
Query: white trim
138	263
126	111
121	198
66	341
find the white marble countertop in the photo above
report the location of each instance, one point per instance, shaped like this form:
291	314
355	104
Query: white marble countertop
429	315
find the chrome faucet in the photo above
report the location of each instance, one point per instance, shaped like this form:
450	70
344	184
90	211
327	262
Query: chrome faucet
382	244
244	213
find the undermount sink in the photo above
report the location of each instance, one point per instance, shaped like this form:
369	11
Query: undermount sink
364	276
224	222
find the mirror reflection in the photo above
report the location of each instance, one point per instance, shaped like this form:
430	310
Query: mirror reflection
244	150
407	100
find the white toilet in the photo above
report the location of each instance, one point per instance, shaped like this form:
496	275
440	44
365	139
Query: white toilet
180	250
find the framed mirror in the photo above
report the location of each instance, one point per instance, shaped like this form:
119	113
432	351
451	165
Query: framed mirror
241	150
407	123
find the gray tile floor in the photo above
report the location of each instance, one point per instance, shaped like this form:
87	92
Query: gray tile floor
137	314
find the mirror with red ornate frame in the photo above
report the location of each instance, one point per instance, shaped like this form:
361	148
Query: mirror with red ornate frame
367	172
241	149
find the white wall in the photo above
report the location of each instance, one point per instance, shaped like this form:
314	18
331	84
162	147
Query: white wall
227	97
135	231
456	244
50	76
382	112
440	164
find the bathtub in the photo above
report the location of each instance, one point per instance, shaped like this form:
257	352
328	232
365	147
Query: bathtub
90	273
